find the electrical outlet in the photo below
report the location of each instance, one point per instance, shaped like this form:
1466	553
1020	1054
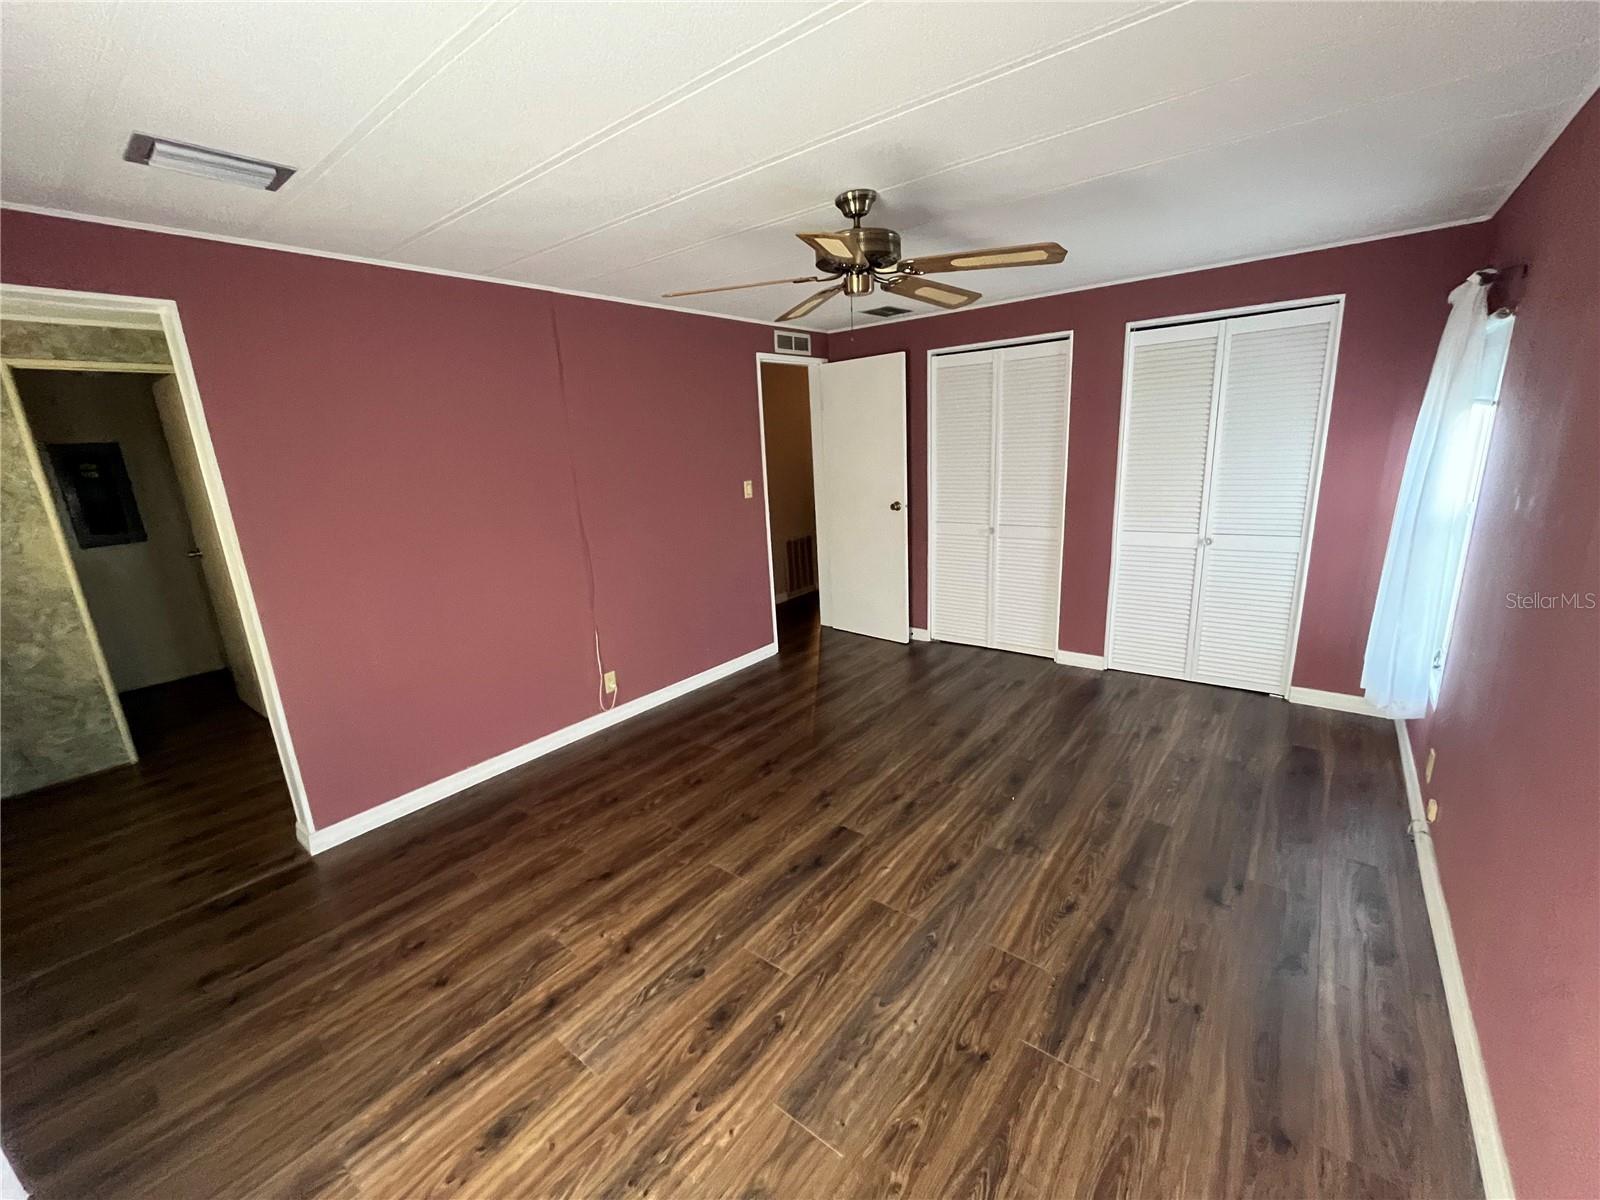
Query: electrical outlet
1427	772
611	683
1433	810
749	489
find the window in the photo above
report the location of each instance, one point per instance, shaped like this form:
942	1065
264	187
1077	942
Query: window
1463	467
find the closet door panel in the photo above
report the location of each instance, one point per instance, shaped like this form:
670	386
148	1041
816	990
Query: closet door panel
1151	609
1167	429
1027	594
1243	627
965	396
1262	476
1267	437
1032	442
1166	435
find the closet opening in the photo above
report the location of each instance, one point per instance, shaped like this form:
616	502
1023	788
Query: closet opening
1223	429
997	470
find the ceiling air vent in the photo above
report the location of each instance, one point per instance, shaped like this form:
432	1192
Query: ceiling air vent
785	342
887	310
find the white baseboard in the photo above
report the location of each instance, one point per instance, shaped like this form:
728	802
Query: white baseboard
10	1186
1338	701
318	840
1492	1161
920	635
1071	658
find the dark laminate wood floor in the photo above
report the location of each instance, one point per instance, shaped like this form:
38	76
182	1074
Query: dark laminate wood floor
866	920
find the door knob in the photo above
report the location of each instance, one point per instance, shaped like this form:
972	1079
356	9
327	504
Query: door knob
895	506
194	554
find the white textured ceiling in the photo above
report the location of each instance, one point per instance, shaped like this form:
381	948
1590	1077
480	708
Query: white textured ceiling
632	149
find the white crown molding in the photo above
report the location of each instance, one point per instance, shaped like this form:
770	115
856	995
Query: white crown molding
1090	662
880	323
326	838
1493	1164
256	244
360	260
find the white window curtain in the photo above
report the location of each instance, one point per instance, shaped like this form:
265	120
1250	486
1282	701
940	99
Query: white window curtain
1422	569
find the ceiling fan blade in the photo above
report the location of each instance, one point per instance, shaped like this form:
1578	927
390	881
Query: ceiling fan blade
739	287
932	291
844	246
1035	254
814	301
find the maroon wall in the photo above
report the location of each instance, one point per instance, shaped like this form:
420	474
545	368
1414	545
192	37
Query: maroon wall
400	470
1517	730
1395	309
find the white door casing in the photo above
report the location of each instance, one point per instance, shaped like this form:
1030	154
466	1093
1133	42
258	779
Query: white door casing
859	458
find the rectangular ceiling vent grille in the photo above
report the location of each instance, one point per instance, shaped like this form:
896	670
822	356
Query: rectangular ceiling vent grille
791	343
887	310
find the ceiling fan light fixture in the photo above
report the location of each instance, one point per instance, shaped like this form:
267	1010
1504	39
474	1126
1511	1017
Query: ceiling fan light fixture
864	258
206	163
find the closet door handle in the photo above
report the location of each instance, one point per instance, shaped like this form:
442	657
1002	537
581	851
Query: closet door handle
895	506
1205	541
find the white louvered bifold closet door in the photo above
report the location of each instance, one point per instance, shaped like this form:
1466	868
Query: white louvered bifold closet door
1166	433
998	457
1030	476
966	394
1263	469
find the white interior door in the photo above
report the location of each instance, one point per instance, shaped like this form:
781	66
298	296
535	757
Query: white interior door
1030	500
961	534
859	452
1264	465
998	457
1222	432
186	465
1170	391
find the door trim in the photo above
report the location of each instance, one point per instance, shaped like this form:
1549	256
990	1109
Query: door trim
42	304
810	362
929	389
1318	454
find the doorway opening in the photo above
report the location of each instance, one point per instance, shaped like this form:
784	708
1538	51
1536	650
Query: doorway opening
143	744
784	392
132	508
143	753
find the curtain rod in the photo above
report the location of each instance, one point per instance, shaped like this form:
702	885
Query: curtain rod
1489	274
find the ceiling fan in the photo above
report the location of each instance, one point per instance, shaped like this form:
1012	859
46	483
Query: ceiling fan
862	258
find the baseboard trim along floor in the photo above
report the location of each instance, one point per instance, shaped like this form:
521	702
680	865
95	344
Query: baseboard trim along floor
1071	658
318	840
1492	1161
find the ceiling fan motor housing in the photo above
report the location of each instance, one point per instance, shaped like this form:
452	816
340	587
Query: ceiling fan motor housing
880	248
